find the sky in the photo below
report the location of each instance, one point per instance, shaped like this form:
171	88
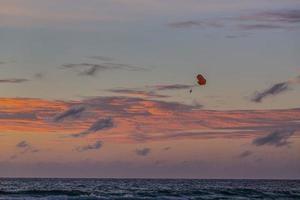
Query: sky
100	88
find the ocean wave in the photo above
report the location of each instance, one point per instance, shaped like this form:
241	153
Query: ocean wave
124	189
46	193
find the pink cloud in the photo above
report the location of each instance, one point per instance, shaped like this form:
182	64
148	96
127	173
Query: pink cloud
138	119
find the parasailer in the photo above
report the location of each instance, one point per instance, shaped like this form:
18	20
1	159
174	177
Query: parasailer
200	80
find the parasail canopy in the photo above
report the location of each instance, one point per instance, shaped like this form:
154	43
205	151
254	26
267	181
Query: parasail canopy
201	79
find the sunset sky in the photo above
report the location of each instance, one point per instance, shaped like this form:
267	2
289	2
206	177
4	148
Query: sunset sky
100	88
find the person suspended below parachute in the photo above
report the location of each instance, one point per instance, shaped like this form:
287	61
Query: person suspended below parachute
200	80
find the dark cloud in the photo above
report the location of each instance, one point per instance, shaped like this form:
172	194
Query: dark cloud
176	106
274	19
277	138
275	89
150	94
151	91
28	115
284	19
195	23
12	157
23	144
186	24
143	152
14	80
72	112
166	148
275	16
87	68
90	69
94	146
218	133
102	58
259	26
24	148
100	125
272	91
172	87
245	154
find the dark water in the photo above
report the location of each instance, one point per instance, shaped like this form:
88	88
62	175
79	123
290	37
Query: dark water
147	189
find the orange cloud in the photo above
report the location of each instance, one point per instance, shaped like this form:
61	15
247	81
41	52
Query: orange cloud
138	119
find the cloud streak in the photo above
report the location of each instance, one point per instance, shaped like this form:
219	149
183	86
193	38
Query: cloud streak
24	147
14	80
195	24
95	146
289	16
143	151
284	19
277	138
23	144
90	69
138	93
99	125
70	113
172	87
245	154
274	90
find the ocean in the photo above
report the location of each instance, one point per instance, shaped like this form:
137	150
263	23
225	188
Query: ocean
173	189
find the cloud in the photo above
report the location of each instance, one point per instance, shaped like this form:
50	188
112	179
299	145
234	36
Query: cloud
245	154
290	16
172	87
14	80
166	148
141	119
70	113
23	144
258	26
90	69
151	91
185	24
277	138
143	152
24	148
275	89
18	115
95	146
87	68
283	19
100	125
141	93
196	24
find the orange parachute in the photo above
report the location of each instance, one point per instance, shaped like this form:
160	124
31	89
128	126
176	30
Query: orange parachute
201	79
